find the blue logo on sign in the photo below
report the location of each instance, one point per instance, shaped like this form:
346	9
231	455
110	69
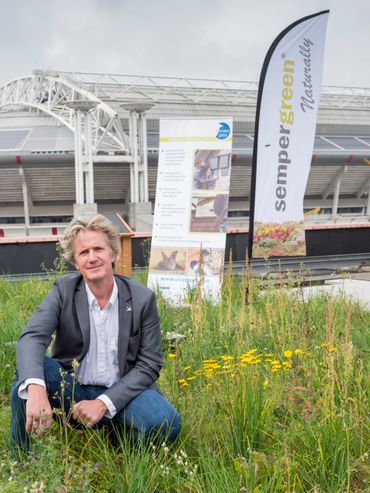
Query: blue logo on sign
223	131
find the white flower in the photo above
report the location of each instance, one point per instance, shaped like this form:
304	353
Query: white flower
174	336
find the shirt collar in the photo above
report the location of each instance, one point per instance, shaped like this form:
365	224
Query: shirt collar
92	300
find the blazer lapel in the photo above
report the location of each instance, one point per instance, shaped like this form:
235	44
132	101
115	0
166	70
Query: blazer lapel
82	312
125	321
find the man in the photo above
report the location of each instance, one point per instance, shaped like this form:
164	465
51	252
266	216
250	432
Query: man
106	352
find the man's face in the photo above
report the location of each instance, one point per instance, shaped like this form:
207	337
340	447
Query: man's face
93	257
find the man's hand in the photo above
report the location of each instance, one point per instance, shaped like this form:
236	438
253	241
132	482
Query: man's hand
38	411
89	412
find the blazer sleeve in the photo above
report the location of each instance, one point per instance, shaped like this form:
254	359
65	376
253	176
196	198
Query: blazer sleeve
36	336
148	362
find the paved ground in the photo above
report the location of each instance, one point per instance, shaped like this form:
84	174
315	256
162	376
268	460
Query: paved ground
357	287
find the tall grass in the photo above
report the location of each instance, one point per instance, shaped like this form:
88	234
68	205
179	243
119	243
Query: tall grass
272	390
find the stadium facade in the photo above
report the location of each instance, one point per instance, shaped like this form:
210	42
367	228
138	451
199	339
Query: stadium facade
117	140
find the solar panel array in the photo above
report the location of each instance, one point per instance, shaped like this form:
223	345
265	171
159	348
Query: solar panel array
13	139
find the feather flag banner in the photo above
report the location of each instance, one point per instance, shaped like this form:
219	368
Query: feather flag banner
287	105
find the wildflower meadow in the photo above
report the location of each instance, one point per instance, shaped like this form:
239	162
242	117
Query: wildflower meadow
272	389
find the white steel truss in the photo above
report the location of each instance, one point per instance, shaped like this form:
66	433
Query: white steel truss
124	88
49	93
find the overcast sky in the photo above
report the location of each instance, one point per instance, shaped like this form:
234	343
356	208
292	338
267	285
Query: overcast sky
217	39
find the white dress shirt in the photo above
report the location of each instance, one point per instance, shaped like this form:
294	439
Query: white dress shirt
100	365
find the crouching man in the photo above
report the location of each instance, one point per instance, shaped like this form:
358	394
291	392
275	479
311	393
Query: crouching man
109	325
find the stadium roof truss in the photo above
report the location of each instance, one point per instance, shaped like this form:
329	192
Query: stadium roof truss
137	98
50	94
115	87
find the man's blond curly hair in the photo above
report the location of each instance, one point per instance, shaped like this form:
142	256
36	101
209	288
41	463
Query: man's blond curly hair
98	222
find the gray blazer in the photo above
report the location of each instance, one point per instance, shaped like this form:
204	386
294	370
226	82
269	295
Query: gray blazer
64	312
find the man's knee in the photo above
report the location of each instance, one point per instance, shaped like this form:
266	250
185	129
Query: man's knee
151	414
167	417
172	426
14	391
165	425
15	400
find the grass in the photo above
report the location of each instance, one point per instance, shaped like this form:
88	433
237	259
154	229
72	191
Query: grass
273	394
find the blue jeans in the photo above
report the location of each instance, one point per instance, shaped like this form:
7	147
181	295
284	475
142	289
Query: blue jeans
149	415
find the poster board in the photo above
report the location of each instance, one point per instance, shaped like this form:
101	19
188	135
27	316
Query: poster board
190	215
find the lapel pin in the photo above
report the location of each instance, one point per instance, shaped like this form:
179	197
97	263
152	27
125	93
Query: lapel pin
128	309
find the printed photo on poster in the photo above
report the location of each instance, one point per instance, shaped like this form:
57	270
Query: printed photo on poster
209	213
167	260
211	170
279	239
210	260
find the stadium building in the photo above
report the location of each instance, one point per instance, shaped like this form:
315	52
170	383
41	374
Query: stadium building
73	143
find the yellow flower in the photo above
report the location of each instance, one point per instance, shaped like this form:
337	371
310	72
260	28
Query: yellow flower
186	368
268	355
182	380
211	366
191	378
333	349
287	365
211	360
298	351
172	355
288	354
275	362
250	352
324	344
227	358
198	372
